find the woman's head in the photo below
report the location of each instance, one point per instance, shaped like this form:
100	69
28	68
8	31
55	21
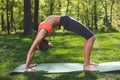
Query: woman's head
44	45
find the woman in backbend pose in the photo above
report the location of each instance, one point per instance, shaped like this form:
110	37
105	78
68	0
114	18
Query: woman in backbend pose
69	24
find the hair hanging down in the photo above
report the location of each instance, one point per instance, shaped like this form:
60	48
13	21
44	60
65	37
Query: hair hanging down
43	45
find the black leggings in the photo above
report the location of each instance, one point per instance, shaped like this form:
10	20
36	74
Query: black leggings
73	25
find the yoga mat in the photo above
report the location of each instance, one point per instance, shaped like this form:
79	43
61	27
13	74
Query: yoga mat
67	67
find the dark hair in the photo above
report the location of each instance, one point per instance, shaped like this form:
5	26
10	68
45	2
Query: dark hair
43	45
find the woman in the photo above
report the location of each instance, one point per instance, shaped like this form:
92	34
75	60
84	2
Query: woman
69	24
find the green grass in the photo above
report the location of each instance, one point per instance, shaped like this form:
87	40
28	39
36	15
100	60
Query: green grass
68	47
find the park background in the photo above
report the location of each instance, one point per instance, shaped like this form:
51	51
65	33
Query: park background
19	20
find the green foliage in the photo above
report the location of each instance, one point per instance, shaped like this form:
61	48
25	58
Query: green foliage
68	47
91	13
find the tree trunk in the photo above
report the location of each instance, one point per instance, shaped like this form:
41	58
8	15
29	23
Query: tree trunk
36	14
12	17
78	10
2	19
51	7
68	2
111	8
95	15
27	17
8	23
59	9
87	18
106	16
87	14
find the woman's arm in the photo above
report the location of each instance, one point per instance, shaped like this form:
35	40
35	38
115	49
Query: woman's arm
41	35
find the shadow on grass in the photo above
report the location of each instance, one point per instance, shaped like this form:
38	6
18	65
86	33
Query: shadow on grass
67	76
74	76
5	78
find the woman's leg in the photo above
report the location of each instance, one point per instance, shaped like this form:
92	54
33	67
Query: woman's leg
88	44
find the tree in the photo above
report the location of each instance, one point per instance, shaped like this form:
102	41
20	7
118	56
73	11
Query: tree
2	17
7	14
12	17
59	7
111	10
51	4
27	17
102	15
67	7
95	14
78	9
36	14
105	6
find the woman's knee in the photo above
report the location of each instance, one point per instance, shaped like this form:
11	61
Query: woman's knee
93	38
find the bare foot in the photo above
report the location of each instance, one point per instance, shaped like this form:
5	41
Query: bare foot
31	70
94	64
90	68
32	65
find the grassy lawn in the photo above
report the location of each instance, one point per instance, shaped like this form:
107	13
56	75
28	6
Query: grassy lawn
67	48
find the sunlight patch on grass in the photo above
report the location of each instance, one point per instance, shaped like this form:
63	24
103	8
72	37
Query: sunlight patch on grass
27	40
